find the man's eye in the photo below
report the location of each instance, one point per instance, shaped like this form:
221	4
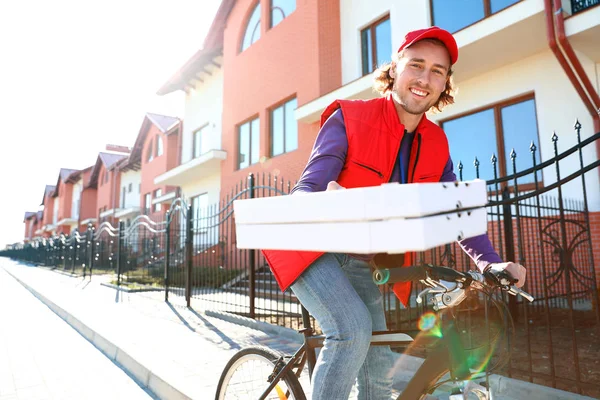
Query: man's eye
437	71
415	65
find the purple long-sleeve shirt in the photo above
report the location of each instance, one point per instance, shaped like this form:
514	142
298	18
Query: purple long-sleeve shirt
329	156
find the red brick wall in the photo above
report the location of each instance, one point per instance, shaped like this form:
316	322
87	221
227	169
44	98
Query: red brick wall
595	235
65	196
89	198
64	229
273	69
158	166
27	233
107	193
48	210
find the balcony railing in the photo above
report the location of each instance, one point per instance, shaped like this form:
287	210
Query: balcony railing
582	5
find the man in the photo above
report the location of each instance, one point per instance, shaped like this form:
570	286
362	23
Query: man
367	143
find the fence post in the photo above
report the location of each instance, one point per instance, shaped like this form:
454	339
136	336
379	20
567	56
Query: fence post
74	245
189	232
509	242
119	250
167	254
91	230
252	256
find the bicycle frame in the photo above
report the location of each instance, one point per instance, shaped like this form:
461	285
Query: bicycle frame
448	353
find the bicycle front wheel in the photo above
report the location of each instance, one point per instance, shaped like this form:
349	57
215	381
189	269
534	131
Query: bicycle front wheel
246	377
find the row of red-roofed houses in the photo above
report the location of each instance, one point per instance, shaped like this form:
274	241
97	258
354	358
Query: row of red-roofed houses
118	186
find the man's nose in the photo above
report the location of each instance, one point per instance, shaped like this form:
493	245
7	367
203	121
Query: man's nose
423	78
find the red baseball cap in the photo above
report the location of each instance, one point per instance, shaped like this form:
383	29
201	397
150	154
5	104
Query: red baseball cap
432	33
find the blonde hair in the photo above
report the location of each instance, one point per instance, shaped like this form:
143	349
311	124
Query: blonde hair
384	82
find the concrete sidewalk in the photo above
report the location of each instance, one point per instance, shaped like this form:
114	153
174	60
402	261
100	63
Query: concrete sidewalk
176	352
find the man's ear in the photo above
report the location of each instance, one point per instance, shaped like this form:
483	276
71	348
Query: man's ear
392	71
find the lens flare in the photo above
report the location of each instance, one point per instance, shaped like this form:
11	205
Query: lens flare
429	323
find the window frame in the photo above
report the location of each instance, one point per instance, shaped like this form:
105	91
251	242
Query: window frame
371	27
199	229
501	146
160	148
238	138
156	194
147	203
271	26
487	12
150	151
249	15
195	133
282	105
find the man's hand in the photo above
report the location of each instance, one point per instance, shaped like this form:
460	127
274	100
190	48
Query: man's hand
333	185
515	270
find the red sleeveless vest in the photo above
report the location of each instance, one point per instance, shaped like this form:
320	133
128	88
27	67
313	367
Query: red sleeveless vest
374	135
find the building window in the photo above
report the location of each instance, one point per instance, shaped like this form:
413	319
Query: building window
159	146
124	192
149	154
106	176
200	212
201	141
284	128
376	44
157	194
280	9
147	203
130	188
445	15
249	140
496	130
101	178
252	33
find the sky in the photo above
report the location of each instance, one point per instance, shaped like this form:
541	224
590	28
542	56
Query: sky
78	75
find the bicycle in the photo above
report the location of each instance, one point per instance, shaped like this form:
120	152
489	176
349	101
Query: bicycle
278	379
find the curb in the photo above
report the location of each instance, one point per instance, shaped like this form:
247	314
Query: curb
144	377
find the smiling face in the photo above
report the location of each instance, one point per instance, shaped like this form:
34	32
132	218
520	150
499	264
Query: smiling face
420	76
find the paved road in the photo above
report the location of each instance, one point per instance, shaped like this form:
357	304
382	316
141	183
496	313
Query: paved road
42	357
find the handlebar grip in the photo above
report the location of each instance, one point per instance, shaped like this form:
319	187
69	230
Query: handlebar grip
401	274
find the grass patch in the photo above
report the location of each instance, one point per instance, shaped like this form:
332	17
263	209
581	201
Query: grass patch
212	277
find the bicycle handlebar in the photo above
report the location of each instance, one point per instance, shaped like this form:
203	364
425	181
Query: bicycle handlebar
448	284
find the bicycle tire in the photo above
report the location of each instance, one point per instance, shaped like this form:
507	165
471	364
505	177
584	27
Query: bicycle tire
267	357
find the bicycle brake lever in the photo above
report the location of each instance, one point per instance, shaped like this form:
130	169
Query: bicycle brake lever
424	292
516	291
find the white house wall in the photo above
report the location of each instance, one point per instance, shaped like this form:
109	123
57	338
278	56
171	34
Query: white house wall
131	199
203	105
405	15
76	199
558	106
209	184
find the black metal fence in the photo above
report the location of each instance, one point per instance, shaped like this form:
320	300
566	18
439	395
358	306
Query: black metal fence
538	217
582	5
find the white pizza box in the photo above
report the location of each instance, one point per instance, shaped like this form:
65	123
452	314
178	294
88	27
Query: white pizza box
388	218
390	200
393	235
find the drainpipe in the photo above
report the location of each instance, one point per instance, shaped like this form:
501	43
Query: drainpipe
565	65
570	53
593	99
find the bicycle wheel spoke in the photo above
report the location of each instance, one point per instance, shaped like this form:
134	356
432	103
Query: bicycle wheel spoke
249	380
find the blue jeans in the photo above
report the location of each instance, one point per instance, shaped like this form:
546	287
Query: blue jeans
339	292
